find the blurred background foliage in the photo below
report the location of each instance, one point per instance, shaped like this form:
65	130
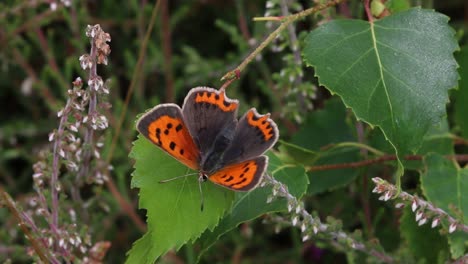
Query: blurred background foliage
193	43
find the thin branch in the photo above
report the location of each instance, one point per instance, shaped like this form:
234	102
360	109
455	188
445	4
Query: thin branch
363	163
285	22
368	11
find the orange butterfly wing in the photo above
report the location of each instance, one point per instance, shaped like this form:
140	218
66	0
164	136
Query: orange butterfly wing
242	176
164	126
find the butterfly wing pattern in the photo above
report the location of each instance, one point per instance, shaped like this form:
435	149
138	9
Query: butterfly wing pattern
242	161
164	126
205	135
243	176
212	120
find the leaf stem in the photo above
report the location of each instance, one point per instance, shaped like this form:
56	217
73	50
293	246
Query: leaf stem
368	11
285	21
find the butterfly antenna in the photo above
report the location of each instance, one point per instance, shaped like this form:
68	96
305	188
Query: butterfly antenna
178	177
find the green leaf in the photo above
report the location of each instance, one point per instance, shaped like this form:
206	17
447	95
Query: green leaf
393	73
321	128
445	185
251	205
438	139
424	242
173	208
461	95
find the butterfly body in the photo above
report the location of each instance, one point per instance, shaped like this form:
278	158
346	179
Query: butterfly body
206	135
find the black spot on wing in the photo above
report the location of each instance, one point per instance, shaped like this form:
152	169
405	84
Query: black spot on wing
172	145
229	179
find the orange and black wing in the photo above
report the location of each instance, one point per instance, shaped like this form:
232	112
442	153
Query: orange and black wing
242	176
164	126
254	135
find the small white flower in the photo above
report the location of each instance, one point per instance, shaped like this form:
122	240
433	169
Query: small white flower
85	119
270	4
399	205
435	222
53	6
60	113
71	240
97	154
37	175
414	205
423	221
298	208
62	153
375	190
290	207
419	214
295	220
305	238
73	128
303	227
51	136
376	180
387	196
315	229
452	227
61	242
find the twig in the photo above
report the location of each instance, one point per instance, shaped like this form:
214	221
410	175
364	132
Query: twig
460	157
368	11
285	21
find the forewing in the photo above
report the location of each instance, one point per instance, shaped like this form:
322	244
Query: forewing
211	118
254	135
164	126
242	176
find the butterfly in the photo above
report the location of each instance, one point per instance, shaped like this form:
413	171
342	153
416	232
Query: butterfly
205	135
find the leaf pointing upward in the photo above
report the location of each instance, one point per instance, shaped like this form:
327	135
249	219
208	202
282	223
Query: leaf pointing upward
394	73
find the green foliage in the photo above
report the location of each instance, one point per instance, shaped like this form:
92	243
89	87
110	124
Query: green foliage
248	206
173	209
424	242
388	72
393	72
445	185
461	95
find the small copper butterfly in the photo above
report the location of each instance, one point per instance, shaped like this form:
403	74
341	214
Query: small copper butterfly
206	136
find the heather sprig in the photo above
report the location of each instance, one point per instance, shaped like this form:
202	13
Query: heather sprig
297	92
425	212
73	163
312	227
